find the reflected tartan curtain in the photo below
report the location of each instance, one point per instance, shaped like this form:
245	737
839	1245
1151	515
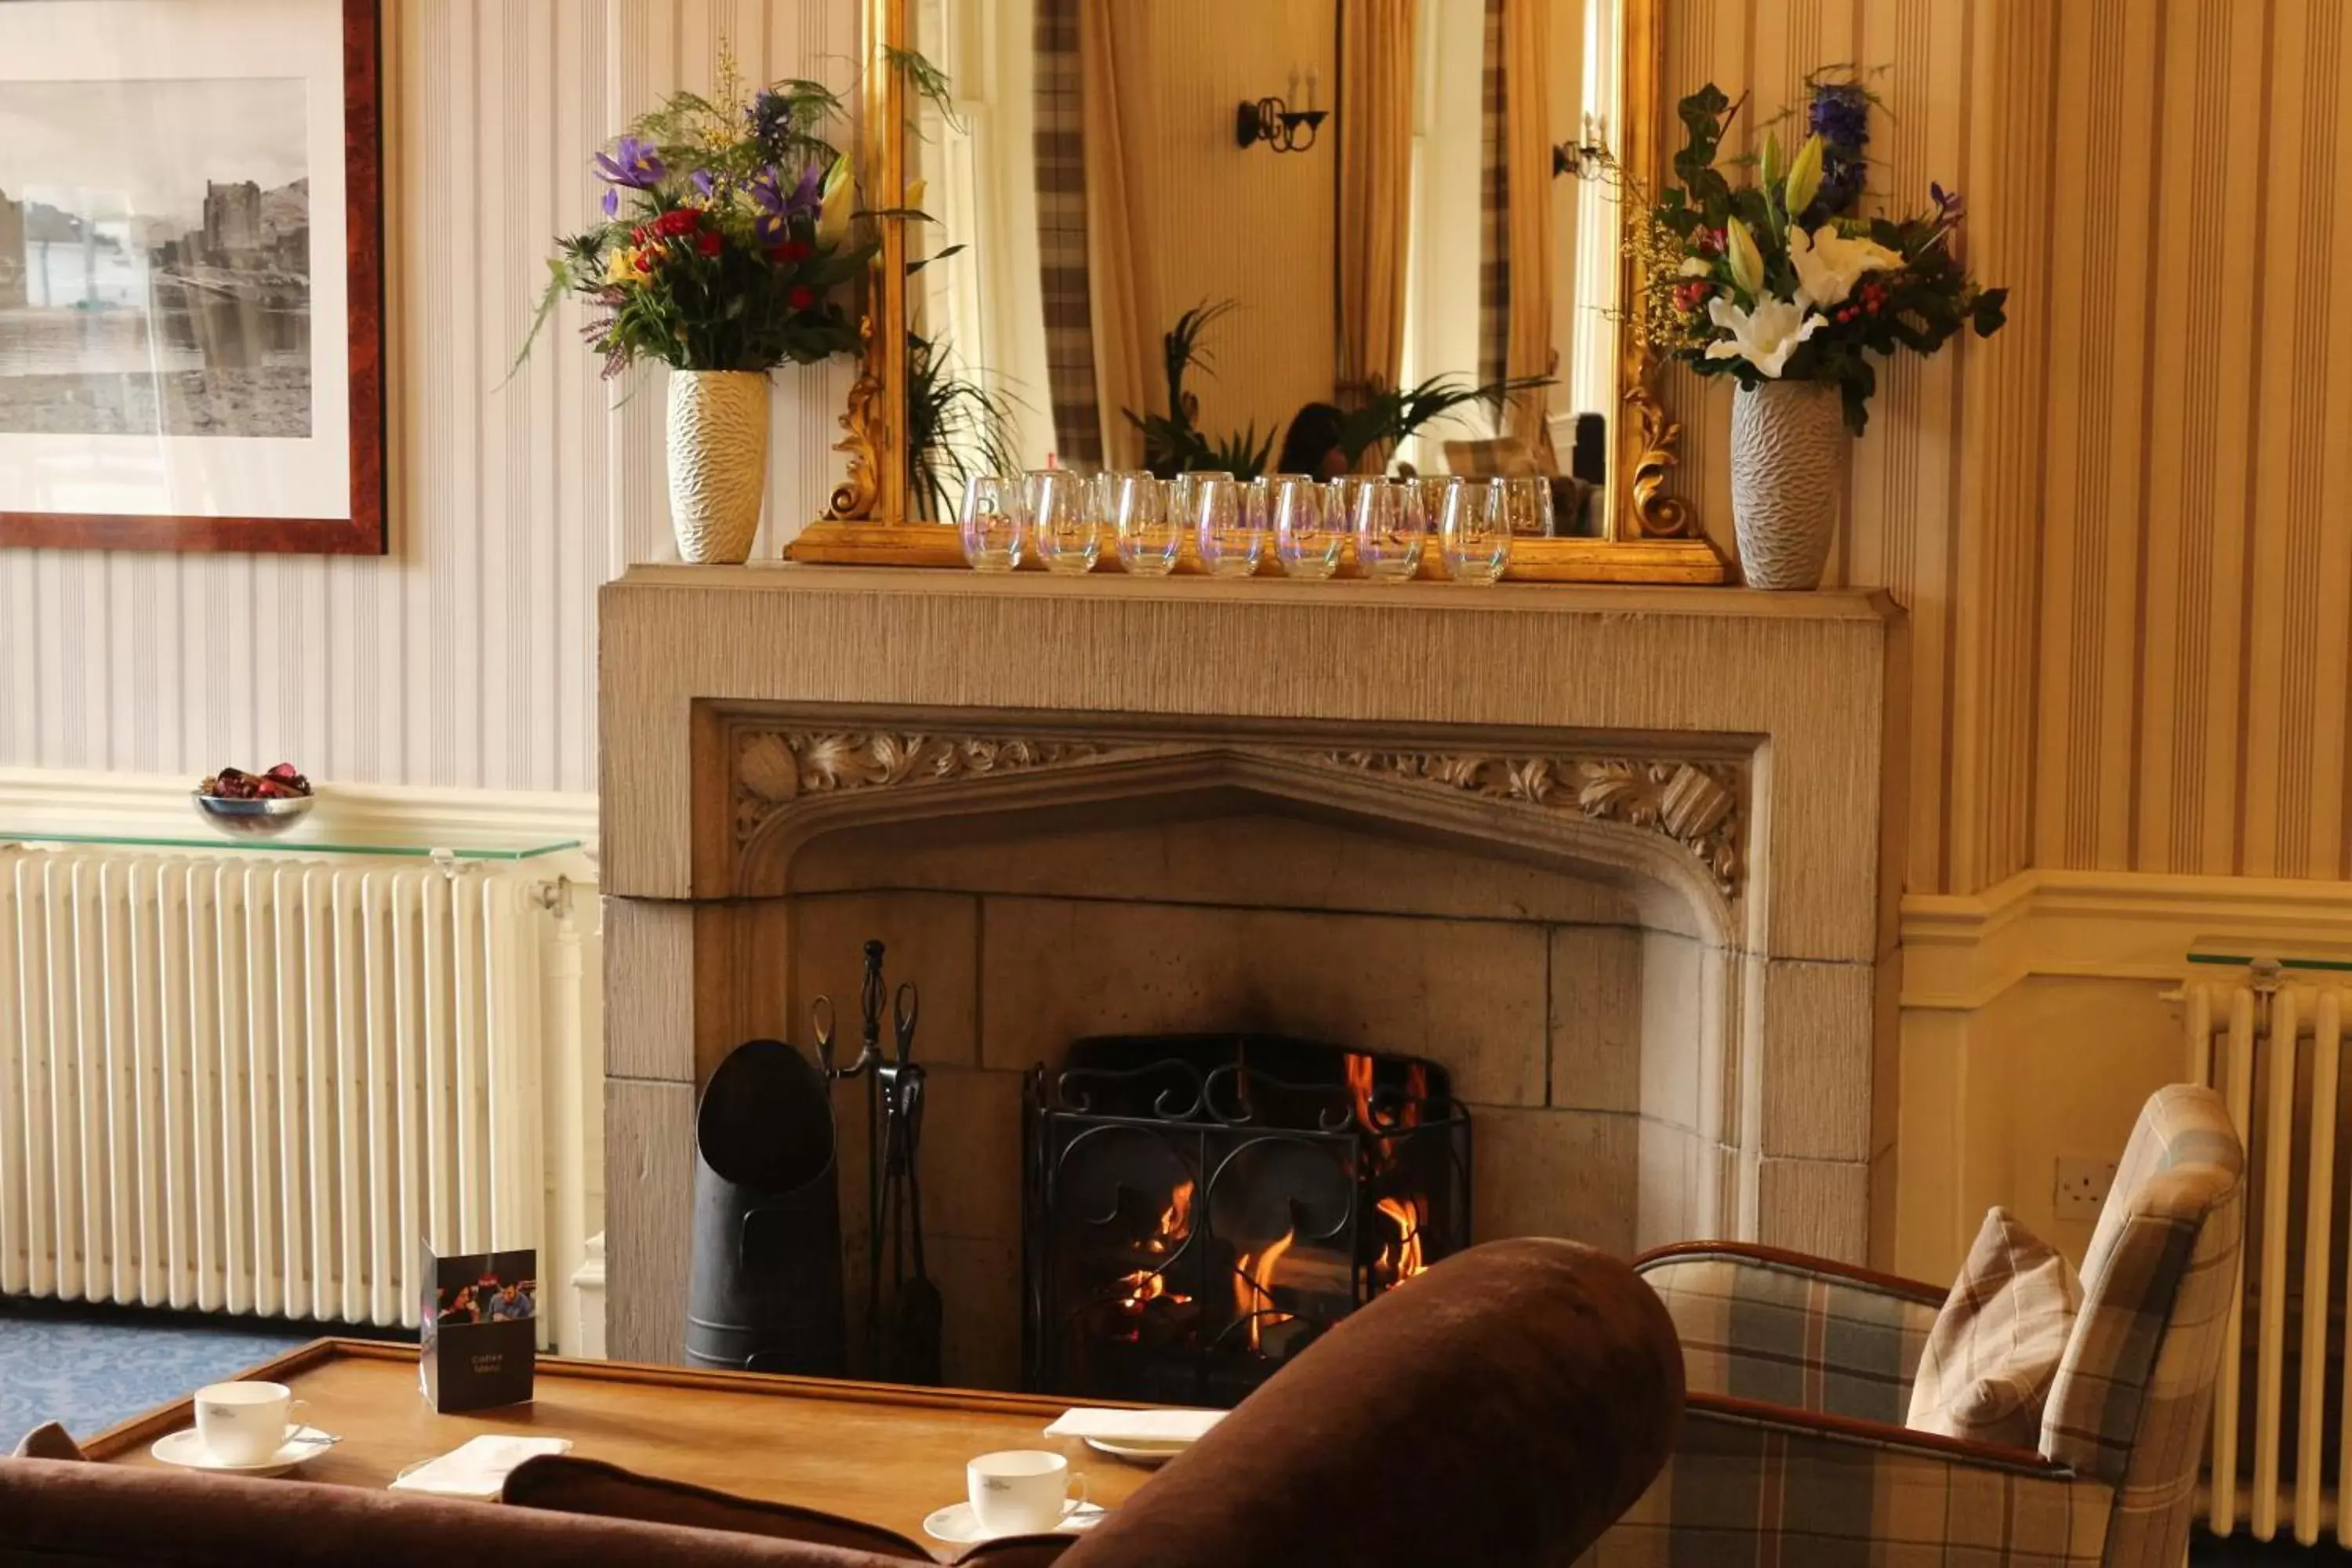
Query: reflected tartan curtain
1494	207
1062	235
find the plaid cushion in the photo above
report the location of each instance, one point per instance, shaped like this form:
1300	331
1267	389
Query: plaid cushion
1993	1352
2135	1385
1781	1334
1746	1493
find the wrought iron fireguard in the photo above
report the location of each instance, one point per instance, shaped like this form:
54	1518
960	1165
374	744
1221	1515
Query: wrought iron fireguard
1199	1208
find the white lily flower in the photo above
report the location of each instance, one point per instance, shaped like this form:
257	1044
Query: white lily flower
1695	267
1766	336
1829	265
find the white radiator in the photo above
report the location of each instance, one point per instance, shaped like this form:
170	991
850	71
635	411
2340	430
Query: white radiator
255	1083
2272	1044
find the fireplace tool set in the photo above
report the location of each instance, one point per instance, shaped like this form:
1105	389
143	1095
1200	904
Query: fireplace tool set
902	1334
765	1290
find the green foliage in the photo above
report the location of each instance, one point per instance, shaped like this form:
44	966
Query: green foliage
927	83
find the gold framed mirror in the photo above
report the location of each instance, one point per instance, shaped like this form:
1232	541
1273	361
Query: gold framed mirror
1221	235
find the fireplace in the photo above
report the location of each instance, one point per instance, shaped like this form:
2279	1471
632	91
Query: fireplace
1611	858
1199	1208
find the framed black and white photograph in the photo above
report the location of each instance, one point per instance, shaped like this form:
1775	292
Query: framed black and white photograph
191	289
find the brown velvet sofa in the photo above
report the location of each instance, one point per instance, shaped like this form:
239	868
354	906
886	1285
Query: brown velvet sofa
1500	1410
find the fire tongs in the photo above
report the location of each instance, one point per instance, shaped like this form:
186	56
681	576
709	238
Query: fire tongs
904	1346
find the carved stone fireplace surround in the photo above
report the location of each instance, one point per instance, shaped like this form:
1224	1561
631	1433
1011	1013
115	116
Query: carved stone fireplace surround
1726	763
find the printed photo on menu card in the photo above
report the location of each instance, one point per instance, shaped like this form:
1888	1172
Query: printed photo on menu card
480	1337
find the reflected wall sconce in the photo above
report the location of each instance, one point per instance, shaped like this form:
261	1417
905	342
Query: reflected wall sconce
1275	123
1585	157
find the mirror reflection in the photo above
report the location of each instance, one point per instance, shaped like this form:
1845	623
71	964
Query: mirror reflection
1324	236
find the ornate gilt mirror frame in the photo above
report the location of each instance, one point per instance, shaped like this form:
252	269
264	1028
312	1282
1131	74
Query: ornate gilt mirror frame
1654	537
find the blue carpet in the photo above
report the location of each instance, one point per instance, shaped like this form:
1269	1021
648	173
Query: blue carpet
90	1369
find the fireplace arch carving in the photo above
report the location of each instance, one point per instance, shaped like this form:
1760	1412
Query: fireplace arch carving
1677	822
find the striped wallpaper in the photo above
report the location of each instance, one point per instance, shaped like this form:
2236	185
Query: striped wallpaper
2125	546
2126	554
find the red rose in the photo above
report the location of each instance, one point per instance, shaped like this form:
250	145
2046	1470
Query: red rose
708	244
802	297
637	234
678	221
794	251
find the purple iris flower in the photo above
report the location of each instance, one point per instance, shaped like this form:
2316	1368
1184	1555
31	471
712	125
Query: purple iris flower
631	162
704	185
777	207
809	194
612	202
1949	206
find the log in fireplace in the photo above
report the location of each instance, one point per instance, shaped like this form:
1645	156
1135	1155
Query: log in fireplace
1200	1208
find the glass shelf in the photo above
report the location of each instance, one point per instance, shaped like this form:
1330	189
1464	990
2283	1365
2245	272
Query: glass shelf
2240	953
294	842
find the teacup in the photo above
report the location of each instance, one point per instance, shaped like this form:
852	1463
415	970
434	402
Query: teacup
1022	1491
245	1423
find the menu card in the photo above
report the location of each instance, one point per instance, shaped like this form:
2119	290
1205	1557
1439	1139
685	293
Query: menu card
478	1341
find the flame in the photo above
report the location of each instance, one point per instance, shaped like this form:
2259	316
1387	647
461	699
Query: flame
1402	1259
1253	1283
1175	1222
1359	1089
1147	1285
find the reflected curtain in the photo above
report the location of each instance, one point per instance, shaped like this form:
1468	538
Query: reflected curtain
1374	123
1124	352
1515	274
1062	265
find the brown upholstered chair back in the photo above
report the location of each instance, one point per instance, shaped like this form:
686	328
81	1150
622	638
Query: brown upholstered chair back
1501	1409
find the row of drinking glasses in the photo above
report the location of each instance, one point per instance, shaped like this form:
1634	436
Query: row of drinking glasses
1064	517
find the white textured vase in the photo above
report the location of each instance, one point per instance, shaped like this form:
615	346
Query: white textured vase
718	462
1788	448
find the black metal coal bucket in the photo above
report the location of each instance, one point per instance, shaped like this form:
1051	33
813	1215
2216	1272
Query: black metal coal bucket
765	1292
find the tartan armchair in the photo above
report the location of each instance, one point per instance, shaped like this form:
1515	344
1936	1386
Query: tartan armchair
1793	1448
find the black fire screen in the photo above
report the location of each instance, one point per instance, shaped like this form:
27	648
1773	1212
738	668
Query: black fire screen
1200	1208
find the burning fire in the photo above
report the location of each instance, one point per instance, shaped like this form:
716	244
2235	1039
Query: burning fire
1401	1260
1253	1283
1147	1285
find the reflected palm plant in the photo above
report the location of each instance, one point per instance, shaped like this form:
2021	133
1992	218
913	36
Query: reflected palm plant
1389	418
956	428
1173	442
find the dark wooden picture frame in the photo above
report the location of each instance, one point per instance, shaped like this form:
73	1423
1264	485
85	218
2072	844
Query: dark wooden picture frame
364	532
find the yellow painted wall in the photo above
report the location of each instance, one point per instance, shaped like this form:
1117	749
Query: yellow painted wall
1217	221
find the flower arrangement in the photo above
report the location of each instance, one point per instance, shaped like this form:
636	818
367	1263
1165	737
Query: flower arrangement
1784	278
726	241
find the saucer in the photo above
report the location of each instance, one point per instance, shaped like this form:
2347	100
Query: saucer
1145	1454
186	1449
956	1522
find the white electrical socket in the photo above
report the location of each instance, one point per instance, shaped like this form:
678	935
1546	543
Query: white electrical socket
2083	1186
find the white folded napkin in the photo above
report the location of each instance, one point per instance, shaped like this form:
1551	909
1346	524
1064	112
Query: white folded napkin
1135	1425
477	1468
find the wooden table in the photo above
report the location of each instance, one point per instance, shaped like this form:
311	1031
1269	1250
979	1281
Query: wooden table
882	1453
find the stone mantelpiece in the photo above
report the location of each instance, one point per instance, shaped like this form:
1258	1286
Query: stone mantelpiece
1721	764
